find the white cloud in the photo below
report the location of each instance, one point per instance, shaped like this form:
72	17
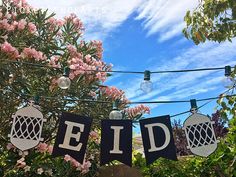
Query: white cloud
165	16
100	17
184	85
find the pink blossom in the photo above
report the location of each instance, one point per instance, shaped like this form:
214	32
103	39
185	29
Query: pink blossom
54	62
42	147
52	20
10	50
4	24
60	23
21	163
67	158
32	53
140	109
98	46
8	16
11	28
21	24
88	58
78	23
50	149
71	76
32	28
7	47
114	93
10	146
73	162
71	17
84	168
71	49
21	3
94	135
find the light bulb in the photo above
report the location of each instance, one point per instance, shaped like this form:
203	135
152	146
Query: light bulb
115	114
228	82
64	82
146	86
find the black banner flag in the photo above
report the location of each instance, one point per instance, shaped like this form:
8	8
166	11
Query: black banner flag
72	136
157	138
116	141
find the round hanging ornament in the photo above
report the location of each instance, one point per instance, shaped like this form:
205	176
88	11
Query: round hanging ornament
200	134
27	127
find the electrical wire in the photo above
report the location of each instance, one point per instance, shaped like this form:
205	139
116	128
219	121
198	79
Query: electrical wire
185	112
122	72
135	121
209	101
141	102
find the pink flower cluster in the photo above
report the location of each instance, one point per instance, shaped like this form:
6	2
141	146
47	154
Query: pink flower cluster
114	93
94	136
43	147
19	25
32	53
10	146
32	28
7	26
80	64
84	168
140	109
98	46
76	21
9	50
21	163
22	24
21	3
54	62
55	24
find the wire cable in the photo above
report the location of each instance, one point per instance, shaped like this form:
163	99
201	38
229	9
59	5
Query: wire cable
141	102
122	72
209	101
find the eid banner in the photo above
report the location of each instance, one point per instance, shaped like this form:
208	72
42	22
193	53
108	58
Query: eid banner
116	141
72	136
157	138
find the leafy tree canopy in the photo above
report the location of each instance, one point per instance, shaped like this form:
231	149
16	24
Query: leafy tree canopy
213	20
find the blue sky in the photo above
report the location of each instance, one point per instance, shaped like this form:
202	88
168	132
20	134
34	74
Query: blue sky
146	34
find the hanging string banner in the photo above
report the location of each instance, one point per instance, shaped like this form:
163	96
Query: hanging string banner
72	136
158	139
116	141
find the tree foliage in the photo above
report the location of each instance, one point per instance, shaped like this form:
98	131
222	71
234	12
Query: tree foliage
34	49
213	20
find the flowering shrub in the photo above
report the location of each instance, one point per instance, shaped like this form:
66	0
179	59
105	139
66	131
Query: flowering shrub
34	36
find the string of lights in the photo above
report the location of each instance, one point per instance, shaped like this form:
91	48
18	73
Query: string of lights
64	83
138	102
118	71
146	85
115	105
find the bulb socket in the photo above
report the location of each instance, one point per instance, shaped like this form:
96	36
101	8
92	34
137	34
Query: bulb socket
66	71
36	99
147	75
115	105
193	103
227	71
